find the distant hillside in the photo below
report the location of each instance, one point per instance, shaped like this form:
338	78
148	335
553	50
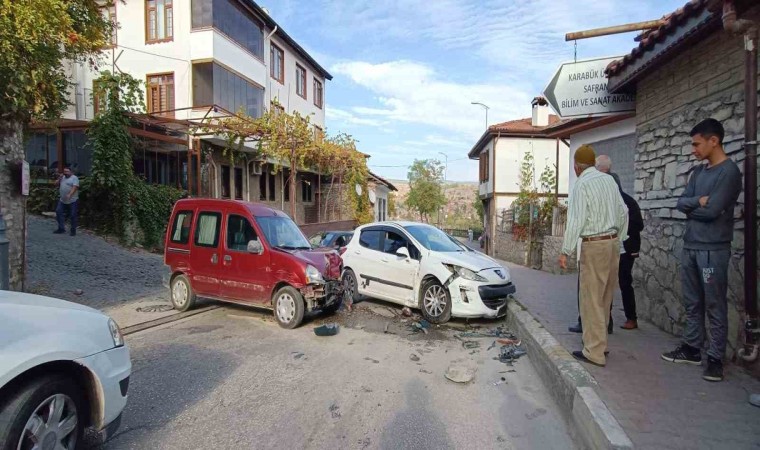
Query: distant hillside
459	211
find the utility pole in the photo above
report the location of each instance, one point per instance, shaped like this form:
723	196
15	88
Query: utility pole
484	107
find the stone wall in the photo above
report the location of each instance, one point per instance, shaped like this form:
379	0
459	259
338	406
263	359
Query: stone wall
552	247
508	249
703	81
12	204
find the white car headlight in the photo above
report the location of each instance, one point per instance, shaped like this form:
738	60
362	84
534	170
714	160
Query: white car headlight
118	339
467	274
313	275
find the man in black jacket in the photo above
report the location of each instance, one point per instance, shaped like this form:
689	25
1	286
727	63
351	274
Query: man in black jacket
630	252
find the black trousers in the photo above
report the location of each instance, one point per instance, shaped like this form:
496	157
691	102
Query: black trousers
625	280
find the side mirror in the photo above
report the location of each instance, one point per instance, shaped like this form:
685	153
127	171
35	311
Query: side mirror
403	252
255	247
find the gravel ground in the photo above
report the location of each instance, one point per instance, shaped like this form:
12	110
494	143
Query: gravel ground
107	274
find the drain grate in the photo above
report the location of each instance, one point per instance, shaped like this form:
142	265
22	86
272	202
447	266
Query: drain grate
155	308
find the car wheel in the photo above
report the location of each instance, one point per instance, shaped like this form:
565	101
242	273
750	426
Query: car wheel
48	412
288	307
183	296
435	302
350	287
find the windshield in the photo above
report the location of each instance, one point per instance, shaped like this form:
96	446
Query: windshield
433	239
281	232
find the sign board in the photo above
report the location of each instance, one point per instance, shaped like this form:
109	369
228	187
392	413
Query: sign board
579	89
25	178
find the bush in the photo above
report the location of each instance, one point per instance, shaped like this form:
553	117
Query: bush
42	198
152	206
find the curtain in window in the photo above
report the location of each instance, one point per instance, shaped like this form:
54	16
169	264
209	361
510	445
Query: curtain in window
207	226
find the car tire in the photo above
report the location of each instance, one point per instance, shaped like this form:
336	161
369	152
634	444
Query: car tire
182	294
350	287
435	302
35	399
288	307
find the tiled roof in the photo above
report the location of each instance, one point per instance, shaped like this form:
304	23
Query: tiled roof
522	126
649	38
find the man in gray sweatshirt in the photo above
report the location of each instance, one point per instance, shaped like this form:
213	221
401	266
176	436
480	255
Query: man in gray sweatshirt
708	203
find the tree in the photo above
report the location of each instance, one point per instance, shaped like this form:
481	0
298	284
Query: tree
37	37
425	188
478	205
392	205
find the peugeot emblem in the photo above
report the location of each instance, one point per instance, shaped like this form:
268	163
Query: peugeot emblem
500	273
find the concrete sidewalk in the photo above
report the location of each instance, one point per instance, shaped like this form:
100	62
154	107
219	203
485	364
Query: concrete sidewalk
659	404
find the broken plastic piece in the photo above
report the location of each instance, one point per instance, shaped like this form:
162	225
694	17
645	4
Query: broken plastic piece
469	345
330	329
406	312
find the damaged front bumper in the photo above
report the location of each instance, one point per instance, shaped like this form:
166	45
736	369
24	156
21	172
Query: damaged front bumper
471	299
323	295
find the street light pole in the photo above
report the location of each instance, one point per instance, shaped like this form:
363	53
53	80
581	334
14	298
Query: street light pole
484	107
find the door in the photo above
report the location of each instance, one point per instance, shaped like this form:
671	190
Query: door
398	273
205	255
245	276
366	259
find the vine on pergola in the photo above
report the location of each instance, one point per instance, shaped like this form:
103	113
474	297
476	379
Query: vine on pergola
288	140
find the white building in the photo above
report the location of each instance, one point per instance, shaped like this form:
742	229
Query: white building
501	151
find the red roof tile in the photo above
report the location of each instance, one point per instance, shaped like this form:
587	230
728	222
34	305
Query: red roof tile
649	38
522	126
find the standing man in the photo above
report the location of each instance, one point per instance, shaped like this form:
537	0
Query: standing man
628	255
604	165
708	203
597	215
68	185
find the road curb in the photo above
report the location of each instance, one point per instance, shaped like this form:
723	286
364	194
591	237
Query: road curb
570	384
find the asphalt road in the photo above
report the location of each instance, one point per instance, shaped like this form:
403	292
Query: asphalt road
232	378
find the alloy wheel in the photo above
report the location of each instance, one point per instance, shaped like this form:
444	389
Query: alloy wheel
435	300
52	426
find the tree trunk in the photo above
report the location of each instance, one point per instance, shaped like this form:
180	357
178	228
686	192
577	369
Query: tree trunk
328	196
293	177
12	203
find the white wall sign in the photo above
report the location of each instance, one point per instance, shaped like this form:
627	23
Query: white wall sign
579	89
25	178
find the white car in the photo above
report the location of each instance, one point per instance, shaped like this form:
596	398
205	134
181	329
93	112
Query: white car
64	367
418	265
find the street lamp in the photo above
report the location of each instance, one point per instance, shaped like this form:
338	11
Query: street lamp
485	107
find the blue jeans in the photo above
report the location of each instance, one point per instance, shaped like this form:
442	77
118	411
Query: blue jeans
72	209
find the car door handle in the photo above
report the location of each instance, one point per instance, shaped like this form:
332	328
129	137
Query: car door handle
214	259
384	259
357	252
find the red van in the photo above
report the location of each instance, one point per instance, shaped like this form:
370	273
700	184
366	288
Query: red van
249	254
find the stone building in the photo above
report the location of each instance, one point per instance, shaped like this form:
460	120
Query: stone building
685	71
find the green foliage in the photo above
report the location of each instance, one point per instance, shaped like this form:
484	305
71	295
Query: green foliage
425	187
391	204
114	199
479	209
42	198
36	37
540	203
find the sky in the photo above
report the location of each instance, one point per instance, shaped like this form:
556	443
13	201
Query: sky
406	71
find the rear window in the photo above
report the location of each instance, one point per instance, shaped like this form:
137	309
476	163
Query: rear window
371	239
207	230
181	227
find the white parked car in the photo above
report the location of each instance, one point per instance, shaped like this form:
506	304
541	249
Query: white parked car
64	367
418	265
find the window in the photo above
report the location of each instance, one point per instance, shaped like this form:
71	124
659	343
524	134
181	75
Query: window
318	94
239	183
286	185
381	211
232	20
181	228
225	181
393	242
484	166
239	233
159	20
161	94
371	239
307	190
207	230
272	178
215	85
109	12
300	81
263	185
277	62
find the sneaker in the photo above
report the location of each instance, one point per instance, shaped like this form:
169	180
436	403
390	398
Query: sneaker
714	371
684	354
